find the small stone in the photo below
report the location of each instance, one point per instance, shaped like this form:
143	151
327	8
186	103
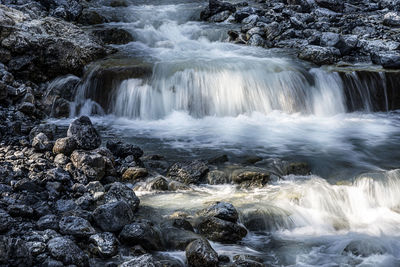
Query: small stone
76	226
65	146
199	253
104	244
112	217
67	251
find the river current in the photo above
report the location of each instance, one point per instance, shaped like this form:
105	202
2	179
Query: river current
205	97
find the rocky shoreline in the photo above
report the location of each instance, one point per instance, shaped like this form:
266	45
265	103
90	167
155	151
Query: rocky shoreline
320	31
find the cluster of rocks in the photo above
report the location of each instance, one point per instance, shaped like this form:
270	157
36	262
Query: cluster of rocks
321	31
62	202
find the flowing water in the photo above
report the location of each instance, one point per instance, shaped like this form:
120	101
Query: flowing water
182	91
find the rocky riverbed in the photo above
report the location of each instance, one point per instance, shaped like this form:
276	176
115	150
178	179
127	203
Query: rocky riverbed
72	197
320	31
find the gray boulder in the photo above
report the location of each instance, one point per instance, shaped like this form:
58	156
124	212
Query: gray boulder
188	172
319	55
142	233
76	226
65	146
112	217
84	133
65	250
199	253
104	244
91	163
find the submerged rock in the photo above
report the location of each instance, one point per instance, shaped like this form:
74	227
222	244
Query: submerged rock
113	35
222	210
219	230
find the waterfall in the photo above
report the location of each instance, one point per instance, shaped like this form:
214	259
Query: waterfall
232	88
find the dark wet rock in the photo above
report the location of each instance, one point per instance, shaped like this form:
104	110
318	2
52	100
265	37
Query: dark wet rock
223	158
329	39
63	205
104	244
217	177
388	59
175	186
220	17
134	174
220	230
112	217
158	183
20	210
319	55
65	250
215	7
49	221
113	35
146	260
335	5
250	177
297	168
48	129
248	260
76	226
188	172
256	40
90	17
120	192
27	108
199	253
142	233
91	163
41	143
65	146
35	248
177	234
14	252
222	210
6	221
123	150
347	44
84	133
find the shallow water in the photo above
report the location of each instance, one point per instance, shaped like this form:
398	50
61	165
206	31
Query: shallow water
206	97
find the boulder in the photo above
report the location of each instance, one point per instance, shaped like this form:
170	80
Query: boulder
84	133
188	172
319	55
104	244
65	250
76	226
113	36
120	192
123	150
158	183
14	252
217	177
41	143
65	146
112	217
146	260
199	253
141	233
91	17
222	210
392	19
335	5
6	221
388	59
215	7
250	177
329	39
91	163
219	230
49	221
134	174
